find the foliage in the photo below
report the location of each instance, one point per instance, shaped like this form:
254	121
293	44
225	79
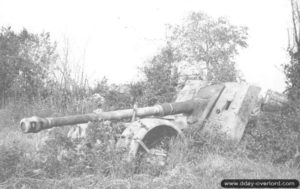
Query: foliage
28	70
270	136
273	137
10	157
186	168
192	163
292	72
292	69
200	40
197	162
161	78
214	43
113	97
25	62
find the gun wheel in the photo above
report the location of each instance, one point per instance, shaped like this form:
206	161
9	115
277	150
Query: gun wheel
153	150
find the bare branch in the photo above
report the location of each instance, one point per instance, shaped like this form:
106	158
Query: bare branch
289	40
294	24
298	21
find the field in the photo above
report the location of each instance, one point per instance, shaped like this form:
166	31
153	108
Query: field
52	160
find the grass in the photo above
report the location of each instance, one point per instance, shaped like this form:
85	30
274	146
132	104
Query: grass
207	173
191	163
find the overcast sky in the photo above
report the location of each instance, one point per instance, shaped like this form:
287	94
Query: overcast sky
112	38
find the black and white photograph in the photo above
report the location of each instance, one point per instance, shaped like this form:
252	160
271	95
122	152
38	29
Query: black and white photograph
136	94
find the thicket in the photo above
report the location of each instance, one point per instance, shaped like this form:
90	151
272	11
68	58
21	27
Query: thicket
37	82
269	149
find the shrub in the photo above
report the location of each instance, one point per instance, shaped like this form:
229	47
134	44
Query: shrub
272	136
10	157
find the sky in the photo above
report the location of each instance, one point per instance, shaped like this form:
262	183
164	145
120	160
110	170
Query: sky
113	38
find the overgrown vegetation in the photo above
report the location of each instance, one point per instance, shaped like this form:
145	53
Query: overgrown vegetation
51	159
197	162
292	69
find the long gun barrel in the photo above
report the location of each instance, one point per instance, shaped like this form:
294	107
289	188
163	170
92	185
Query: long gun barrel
36	124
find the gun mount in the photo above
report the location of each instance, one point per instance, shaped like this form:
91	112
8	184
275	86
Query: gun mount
228	105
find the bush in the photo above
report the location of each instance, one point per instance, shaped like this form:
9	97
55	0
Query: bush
200	159
18	157
272	136
10	157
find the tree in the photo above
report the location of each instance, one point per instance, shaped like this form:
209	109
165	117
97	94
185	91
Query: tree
292	70
161	77
201	44
25	59
202	40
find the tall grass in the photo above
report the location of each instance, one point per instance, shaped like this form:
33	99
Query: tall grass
52	160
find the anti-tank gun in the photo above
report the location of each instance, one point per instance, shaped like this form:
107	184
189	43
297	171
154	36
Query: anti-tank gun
228	105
